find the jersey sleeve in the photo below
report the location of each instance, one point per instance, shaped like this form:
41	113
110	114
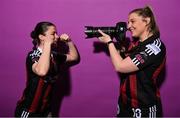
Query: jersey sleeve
31	58
150	54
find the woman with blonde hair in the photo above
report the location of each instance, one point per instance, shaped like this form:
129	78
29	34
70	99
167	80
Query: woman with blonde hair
139	94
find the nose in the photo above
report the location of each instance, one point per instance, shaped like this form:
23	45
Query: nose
128	26
56	36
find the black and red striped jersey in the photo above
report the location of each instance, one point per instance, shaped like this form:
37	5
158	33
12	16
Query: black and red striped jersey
37	94
138	90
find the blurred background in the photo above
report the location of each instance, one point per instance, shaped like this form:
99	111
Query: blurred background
90	88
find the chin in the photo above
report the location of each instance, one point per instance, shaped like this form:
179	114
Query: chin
135	35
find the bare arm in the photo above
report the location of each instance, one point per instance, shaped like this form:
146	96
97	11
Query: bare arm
73	54
121	65
42	66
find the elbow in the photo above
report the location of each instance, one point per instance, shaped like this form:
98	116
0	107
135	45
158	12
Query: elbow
41	72
123	70
120	69
76	58
117	67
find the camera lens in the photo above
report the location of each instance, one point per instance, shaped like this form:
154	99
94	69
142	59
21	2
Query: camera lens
118	32
93	31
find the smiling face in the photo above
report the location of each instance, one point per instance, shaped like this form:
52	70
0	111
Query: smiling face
137	25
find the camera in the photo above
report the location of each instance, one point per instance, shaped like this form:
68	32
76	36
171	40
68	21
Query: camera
118	32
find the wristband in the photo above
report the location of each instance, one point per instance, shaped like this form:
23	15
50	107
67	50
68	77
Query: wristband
109	42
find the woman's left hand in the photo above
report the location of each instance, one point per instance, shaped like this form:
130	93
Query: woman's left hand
65	38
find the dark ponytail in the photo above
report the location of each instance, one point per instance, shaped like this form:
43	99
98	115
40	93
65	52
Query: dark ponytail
40	28
34	41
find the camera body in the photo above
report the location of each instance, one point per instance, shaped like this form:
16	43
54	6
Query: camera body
118	32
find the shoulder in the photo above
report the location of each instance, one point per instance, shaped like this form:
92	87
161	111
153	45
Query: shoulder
33	54
155	47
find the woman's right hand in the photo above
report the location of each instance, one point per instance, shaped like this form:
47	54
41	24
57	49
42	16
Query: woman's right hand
104	38
64	38
48	40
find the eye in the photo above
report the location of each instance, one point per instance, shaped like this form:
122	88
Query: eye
53	33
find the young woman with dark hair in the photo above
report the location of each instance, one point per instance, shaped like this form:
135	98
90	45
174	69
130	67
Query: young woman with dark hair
42	70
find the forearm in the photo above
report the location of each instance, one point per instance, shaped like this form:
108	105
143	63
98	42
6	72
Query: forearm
43	64
73	54
115	57
121	65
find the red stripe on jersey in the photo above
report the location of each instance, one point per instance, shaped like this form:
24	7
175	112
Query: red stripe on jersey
133	90
158	70
133	44
123	92
37	96
45	98
23	96
156	73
